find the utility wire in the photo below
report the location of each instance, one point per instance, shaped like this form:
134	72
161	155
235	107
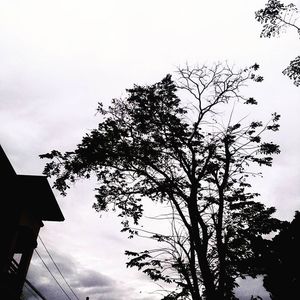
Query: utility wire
27	284
34	289
52	274
30	291
58	268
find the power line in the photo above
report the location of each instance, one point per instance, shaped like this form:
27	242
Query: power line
27	284
52	274
58	268
30	291
31	288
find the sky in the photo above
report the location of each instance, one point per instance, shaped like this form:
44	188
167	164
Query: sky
59	58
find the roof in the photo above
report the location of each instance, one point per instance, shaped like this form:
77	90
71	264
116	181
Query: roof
37	193
33	192
6	168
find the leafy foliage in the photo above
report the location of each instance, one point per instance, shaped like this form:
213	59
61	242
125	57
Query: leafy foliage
293	71
276	18
281	263
155	146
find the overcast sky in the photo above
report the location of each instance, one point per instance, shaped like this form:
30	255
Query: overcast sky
59	58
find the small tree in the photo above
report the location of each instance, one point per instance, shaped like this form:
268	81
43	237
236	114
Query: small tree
276	18
153	146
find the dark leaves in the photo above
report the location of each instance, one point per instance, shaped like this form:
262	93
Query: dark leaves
269	148
251	101
274	17
293	70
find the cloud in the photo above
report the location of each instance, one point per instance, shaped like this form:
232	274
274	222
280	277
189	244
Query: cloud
91	279
84	281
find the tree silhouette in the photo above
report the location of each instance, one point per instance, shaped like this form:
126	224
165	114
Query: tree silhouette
183	153
276	18
281	262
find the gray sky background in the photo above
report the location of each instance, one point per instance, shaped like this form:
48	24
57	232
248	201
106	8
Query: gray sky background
59	58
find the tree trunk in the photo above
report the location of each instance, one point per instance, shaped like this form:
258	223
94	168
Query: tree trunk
201	251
